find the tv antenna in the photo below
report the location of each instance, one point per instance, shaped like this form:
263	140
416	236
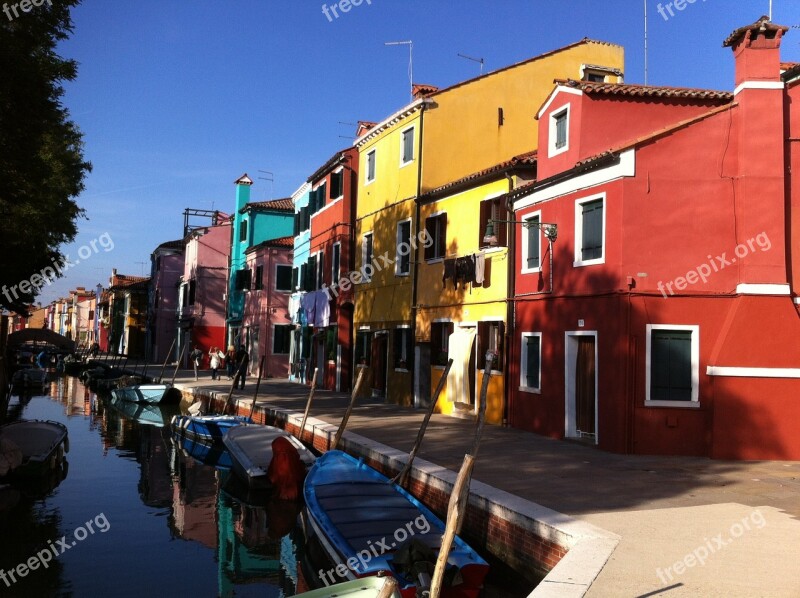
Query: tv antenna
142	265
271	178
478	60
410	45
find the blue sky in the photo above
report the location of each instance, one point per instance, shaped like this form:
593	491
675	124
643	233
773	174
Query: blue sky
178	98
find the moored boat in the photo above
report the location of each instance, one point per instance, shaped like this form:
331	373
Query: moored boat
214	455
30	448
252	448
158	415
207	428
369	587
356	511
148	393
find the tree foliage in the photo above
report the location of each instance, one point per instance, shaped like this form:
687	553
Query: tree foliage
42	167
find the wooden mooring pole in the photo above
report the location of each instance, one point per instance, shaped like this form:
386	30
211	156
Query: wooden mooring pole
164	367
258	384
347	413
308	405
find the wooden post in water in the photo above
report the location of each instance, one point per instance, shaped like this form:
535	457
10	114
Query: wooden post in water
456	509
308	406
400	477
163	367
347	413
236	377
258	383
177	365
388	589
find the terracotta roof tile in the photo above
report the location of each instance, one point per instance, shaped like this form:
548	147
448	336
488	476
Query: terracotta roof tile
645	91
763	24
280	243
281	205
526	159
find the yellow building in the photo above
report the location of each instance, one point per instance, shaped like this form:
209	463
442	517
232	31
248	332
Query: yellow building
453	149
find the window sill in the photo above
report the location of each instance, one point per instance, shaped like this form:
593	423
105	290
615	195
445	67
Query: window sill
435	260
531	271
402	274
536	391
673	404
594	262
494	248
404	164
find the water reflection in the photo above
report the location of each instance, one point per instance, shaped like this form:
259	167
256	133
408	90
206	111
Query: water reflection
218	539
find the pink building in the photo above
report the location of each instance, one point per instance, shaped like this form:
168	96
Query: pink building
266	325
201	300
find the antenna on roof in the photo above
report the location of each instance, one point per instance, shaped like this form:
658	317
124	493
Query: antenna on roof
271	179
410	45
770	10
479	60
645	41
142	265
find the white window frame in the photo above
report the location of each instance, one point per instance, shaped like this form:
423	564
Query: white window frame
435	260
523	378
368	181
525	269
695	330
409	349
404	163
364	254
579	262
291	274
552	150
397	255
336	276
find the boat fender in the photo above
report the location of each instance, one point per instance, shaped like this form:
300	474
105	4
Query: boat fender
286	470
66	444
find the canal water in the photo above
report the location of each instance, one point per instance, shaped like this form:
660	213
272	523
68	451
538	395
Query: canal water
131	514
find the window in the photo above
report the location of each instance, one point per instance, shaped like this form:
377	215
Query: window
295	278
296	229
440	339
363	347
590	233
531	245
243	230
337	184
258	283
403	249
331	341
436	227
559	131
304	277
336	262
595	77
530	378
407	147
672	365
316	199
370	166
402	348
320	270
490	338
367	253
311	273
193	289
280	340
283	278
241	281
492	209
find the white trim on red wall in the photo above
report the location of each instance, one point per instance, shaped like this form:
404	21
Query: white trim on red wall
743	372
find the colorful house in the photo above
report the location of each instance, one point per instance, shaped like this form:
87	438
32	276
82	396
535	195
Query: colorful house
201	297
333	189
663	318
127	314
403	319
166	270
266	326
300	341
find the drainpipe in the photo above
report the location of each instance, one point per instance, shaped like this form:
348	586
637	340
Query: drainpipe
511	307
414	309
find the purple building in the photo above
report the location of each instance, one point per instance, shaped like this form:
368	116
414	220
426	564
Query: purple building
166	268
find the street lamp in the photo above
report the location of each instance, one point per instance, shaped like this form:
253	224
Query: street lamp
550	230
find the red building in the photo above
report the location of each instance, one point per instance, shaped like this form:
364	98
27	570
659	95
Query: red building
333	193
663	319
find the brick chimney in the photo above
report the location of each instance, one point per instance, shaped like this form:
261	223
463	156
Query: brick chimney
758	131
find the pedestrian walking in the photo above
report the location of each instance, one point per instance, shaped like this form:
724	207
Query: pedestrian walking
242	360
196	357
230	361
215	358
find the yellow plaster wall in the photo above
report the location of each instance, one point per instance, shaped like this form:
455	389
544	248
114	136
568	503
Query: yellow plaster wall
495	394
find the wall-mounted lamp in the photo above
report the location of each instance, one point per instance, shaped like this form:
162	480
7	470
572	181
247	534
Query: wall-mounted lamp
550	230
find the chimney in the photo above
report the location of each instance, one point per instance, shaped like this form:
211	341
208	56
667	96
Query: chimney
758	126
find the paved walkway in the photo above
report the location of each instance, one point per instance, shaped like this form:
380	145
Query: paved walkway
689	526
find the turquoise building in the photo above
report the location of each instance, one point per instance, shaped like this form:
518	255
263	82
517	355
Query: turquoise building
300	343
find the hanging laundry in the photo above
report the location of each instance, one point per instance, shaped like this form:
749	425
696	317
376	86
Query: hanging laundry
322	309
309	303
480	267
449	272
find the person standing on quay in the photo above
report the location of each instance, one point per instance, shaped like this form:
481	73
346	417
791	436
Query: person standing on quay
230	361
242	359
215	357
195	356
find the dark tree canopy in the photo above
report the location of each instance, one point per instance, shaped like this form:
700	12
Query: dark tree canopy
42	167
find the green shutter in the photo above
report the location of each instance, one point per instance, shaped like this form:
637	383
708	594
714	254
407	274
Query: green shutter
532	344
592	242
671	365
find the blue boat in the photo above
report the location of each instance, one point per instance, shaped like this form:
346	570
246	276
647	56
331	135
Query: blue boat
157	415
207	454
368	526
207	428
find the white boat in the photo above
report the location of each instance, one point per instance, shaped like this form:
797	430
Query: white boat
148	393
250	446
369	587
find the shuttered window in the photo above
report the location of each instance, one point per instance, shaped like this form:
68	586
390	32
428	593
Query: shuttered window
408	146
561	130
311	277
337	256
532	233
402	348
531	361
671	365
280	342
363	346
403	249
490	338
283	278
436	227
592	223
371	166
258	283
337	184
440	339
491	210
